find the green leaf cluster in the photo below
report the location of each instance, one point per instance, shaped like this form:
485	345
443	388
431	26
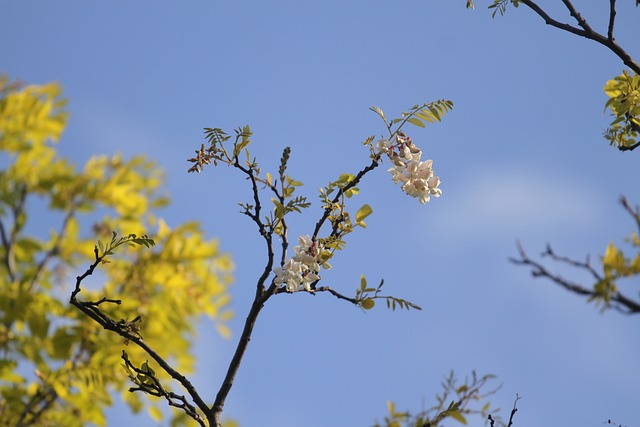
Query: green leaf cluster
624	102
455	401
366	296
418	115
616	266
333	198
57	367
498	6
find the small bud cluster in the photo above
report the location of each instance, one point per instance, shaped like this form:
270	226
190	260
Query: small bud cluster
416	177
302	269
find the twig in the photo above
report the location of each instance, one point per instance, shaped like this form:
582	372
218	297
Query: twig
586	30
336	294
618	301
374	164
513	411
92	310
612	18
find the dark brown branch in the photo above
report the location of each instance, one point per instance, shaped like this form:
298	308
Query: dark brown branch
243	343
586	265
513	411
586	31
581	21
374	164
612	19
630	147
260	299
92	310
618	301
156	389
336	294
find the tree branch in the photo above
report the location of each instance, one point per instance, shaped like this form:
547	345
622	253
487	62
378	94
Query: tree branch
618	301
374	164
612	18
92	310
243	343
587	31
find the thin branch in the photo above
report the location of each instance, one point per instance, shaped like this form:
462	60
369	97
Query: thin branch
92	310
9	241
586	265
635	213
54	249
7	249
612	19
336	294
243	343
155	388
630	147
587	31
618	301
550	21
581	21
513	411
374	164
32	412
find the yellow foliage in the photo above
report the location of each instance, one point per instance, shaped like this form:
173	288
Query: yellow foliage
171	286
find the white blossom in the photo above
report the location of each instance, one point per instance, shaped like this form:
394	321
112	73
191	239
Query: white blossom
417	179
383	145
302	269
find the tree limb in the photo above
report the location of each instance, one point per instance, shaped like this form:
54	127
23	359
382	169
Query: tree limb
92	310
618	301
586	30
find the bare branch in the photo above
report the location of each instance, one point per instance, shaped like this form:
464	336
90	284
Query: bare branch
612	19
586	31
581	21
635	213
618	301
336	294
243	343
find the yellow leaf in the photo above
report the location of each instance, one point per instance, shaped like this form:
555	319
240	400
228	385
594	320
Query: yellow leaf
155	413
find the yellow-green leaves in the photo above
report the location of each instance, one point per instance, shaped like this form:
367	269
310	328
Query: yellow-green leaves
624	101
456	402
365	297
30	115
164	289
419	114
362	213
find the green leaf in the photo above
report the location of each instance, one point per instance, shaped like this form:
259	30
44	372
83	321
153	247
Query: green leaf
457	415
279	208
362	213
368	303
416	121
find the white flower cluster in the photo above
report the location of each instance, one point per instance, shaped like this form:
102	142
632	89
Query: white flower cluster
416	177
302	269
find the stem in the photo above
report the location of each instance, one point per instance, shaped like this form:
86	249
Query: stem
375	162
249	324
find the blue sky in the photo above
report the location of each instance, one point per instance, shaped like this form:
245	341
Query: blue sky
520	157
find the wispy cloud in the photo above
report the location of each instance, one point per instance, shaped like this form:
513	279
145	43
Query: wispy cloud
517	201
